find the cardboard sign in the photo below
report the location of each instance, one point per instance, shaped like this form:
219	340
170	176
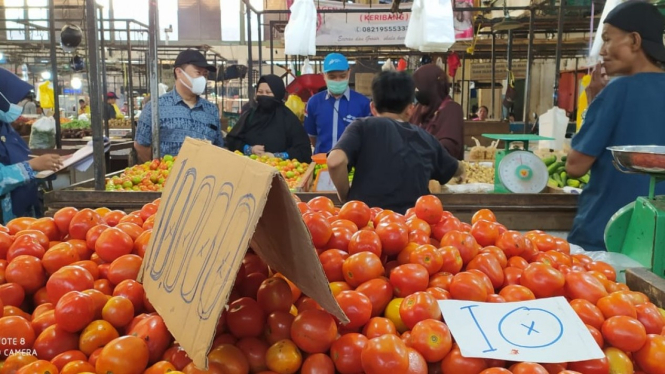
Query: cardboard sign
324	182
544	330
214	205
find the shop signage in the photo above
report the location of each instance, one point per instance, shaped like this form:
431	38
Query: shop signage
482	71
544	330
207	219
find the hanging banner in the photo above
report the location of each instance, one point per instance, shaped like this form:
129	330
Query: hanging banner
463	20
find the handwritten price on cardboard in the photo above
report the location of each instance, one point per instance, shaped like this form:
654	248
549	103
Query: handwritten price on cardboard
198	202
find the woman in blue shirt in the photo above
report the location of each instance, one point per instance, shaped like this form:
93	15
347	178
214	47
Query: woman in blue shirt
627	111
18	188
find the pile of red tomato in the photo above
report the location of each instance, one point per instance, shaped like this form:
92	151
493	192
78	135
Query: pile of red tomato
71	303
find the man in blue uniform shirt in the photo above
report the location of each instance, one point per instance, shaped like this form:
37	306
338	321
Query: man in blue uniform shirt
627	111
329	112
182	111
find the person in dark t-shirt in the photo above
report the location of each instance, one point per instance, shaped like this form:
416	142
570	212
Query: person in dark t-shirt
394	160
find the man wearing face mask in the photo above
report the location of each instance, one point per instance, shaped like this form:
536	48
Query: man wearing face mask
329	112
182	111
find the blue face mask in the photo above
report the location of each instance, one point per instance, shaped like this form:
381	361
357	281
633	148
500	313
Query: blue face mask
12	114
337	87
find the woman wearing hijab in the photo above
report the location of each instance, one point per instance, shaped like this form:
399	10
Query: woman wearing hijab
18	188
270	127
436	111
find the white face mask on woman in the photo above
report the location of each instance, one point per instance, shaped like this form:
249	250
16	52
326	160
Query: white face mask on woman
198	84
12	114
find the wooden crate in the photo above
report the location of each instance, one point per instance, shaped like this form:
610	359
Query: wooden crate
307	179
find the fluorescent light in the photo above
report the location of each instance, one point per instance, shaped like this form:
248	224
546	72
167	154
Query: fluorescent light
76	83
46	75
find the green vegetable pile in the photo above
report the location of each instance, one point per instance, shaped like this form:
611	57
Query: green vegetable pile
558	177
76	125
325	167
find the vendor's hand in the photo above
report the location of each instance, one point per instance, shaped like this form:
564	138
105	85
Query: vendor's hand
46	162
598	81
258	150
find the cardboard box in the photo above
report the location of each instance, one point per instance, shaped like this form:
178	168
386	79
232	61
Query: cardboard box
363	83
210	213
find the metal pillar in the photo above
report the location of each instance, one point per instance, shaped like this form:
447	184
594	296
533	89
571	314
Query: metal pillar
557	66
153	37
493	83
527	82
509	54
130	82
260	36
54	74
103	66
250	80
272	50
462	83
96	110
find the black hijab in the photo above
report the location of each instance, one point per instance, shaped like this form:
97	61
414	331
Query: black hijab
267	117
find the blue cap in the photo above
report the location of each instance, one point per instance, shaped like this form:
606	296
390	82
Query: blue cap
335	62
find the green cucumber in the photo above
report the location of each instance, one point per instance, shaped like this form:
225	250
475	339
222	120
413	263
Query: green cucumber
551	169
549	160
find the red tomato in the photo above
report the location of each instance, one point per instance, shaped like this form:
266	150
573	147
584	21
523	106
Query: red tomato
25	245
498	253
119	311
417	224
588	313
141	243
417	364
454	362
394	237
604	268
314	331
82	249
274	295
378	326
512	275
12	294
652	355
379	291
464	242
155	334
17	334
600	366
321	204
543	280
26	271
384	354
432	339
278	327
332	261
54	341
583	286
512	243
83	221
131	229
441	280
597	335
66	357
132	290
485	232
63	218
625	333
517	293
96	334
245	318
365	241
74	311
60	255
340	239
483	215
346	353
68	278
528	368
649	315
428	256
417	307
38	367
113	243
408	279
429	209
356	212
37	235
616	304
319	228
468	286
318	363
452	260
361	267
356	306
490	266
126	354
249	286
47	226
446	225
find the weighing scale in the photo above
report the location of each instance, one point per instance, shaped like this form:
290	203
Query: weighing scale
518	170
638	229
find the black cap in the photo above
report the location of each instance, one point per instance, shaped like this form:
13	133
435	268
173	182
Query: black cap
193	57
644	19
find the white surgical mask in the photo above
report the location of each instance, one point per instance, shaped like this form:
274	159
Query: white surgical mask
198	84
12	114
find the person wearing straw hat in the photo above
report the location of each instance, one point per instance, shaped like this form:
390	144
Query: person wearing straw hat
627	96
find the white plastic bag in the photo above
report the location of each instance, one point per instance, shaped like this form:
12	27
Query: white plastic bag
553	124
42	134
414	32
307	68
388	66
440	64
618	261
300	32
438	25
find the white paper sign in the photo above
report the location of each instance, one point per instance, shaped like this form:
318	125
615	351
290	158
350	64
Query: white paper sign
544	330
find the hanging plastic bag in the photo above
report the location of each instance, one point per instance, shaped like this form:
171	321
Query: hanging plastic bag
42	135
438	26
440	64
297	106
388	66
300	32
582	102
414	32
553	124
307	68
290	75
46	95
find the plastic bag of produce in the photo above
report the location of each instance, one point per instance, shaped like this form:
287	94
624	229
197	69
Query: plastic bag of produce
306	68
618	261
42	135
553	124
414	32
297	106
435	22
300	32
